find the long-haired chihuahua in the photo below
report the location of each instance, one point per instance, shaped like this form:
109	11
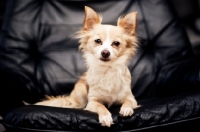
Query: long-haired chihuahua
107	50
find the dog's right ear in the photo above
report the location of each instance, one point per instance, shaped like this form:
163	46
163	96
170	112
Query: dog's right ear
91	18
128	23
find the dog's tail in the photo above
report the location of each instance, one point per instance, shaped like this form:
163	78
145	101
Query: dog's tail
59	101
76	99
25	103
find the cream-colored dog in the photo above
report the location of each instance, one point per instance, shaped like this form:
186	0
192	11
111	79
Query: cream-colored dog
107	50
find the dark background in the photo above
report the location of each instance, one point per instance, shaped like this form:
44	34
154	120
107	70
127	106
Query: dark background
189	13
187	10
2	10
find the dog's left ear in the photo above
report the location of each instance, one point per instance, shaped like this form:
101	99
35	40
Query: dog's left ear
128	23
91	18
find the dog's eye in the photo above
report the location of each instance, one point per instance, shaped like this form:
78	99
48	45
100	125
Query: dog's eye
98	41
116	43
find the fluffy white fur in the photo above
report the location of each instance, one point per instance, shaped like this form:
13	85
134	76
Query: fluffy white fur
107	81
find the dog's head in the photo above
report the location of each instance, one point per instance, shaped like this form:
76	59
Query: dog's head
106	43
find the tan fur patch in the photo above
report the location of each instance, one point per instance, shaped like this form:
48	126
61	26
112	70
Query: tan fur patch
107	81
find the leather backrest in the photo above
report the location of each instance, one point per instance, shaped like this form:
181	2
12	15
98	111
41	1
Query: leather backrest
38	54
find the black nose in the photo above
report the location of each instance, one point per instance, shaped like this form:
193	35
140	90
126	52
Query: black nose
105	53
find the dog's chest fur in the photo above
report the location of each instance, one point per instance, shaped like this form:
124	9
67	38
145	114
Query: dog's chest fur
108	84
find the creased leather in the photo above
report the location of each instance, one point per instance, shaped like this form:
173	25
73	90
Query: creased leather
154	111
39	56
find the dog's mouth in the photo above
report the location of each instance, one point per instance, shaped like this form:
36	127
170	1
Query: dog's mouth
104	59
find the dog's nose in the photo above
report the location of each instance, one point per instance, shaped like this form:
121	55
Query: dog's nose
105	53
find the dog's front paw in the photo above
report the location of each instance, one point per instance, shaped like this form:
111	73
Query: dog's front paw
126	111
106	120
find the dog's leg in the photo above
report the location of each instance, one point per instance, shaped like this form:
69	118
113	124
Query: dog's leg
76	99
105	117
128	105
80	93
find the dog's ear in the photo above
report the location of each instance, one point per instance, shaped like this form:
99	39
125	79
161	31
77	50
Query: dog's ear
128	23
91	18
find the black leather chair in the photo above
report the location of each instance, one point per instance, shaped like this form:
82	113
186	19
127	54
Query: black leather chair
38	56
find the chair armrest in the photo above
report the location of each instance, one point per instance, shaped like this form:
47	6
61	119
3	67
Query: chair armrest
178	74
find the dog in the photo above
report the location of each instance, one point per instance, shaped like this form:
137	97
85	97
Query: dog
107	50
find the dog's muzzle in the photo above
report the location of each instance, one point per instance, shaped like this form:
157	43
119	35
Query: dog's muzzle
105	55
